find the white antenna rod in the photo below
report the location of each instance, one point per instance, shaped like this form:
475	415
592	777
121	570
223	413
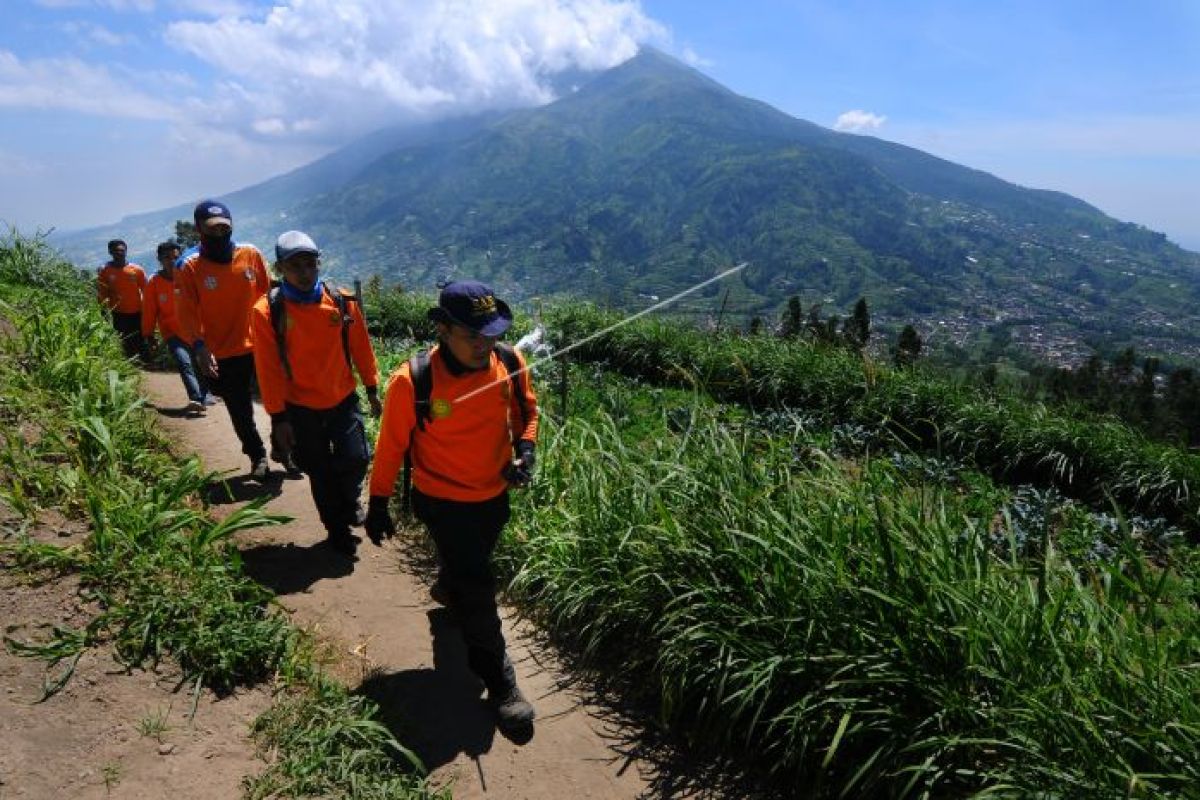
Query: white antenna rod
610	328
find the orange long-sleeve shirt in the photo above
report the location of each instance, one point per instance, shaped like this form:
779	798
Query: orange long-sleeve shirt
462	452
158	307
321	378
214	300
121	288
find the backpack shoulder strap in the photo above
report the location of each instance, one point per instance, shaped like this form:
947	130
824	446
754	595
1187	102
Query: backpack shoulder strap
342	301
422	380
421	375
279	325
512	363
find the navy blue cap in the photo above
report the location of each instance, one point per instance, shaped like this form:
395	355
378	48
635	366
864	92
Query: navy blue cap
472	305
211	210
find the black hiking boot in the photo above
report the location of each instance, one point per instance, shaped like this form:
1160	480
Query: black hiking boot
284	459
513	711
514	714
343	542
260	470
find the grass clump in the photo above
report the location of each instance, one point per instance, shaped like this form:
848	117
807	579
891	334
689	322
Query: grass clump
322	741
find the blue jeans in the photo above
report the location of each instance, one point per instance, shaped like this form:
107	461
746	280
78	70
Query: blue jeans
187	369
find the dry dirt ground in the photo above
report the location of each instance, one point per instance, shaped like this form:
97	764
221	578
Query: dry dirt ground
110	733
115	734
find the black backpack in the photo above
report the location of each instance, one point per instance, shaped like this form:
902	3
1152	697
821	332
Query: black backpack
279	321
422	381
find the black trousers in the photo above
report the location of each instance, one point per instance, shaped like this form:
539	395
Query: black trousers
234	384
129	328
466	535
332	450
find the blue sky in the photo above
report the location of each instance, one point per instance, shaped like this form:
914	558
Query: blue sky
111	107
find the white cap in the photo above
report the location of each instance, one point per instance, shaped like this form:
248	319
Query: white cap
292	243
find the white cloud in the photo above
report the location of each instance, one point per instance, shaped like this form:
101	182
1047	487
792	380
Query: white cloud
13	164
694	59
858	120
354	65
215	8
111	5
71	84
96	34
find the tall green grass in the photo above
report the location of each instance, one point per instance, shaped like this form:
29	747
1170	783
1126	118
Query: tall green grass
1008	437
854	632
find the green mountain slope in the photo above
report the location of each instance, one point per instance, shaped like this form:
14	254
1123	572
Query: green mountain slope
651	176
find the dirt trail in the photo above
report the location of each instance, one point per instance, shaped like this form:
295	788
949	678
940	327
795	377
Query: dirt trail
405	651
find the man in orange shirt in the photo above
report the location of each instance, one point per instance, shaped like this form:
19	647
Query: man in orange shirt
158	308
217	286
306	341
119	288
472	420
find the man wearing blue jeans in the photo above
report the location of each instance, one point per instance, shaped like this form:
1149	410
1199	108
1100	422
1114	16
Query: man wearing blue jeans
158	308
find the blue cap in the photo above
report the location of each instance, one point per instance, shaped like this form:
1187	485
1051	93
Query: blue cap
472	305
211	211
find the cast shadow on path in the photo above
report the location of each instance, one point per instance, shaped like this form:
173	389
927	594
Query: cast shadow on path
290	568
439	712
175	413
241	488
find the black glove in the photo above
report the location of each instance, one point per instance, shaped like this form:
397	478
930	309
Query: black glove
378	525
520	472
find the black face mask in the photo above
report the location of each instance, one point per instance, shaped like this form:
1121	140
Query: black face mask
217	248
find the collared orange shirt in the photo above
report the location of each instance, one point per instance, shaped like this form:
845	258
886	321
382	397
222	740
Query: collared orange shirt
121	288
462	452
214	300
158	306
321	378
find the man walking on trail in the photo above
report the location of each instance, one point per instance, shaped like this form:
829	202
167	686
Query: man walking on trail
459	413
307	339
119	288
217	287
159	308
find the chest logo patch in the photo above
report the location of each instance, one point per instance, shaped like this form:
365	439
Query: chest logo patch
440	408
210	283
249	273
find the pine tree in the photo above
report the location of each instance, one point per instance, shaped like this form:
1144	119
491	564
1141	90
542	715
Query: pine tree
857	329
792	322
908	347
